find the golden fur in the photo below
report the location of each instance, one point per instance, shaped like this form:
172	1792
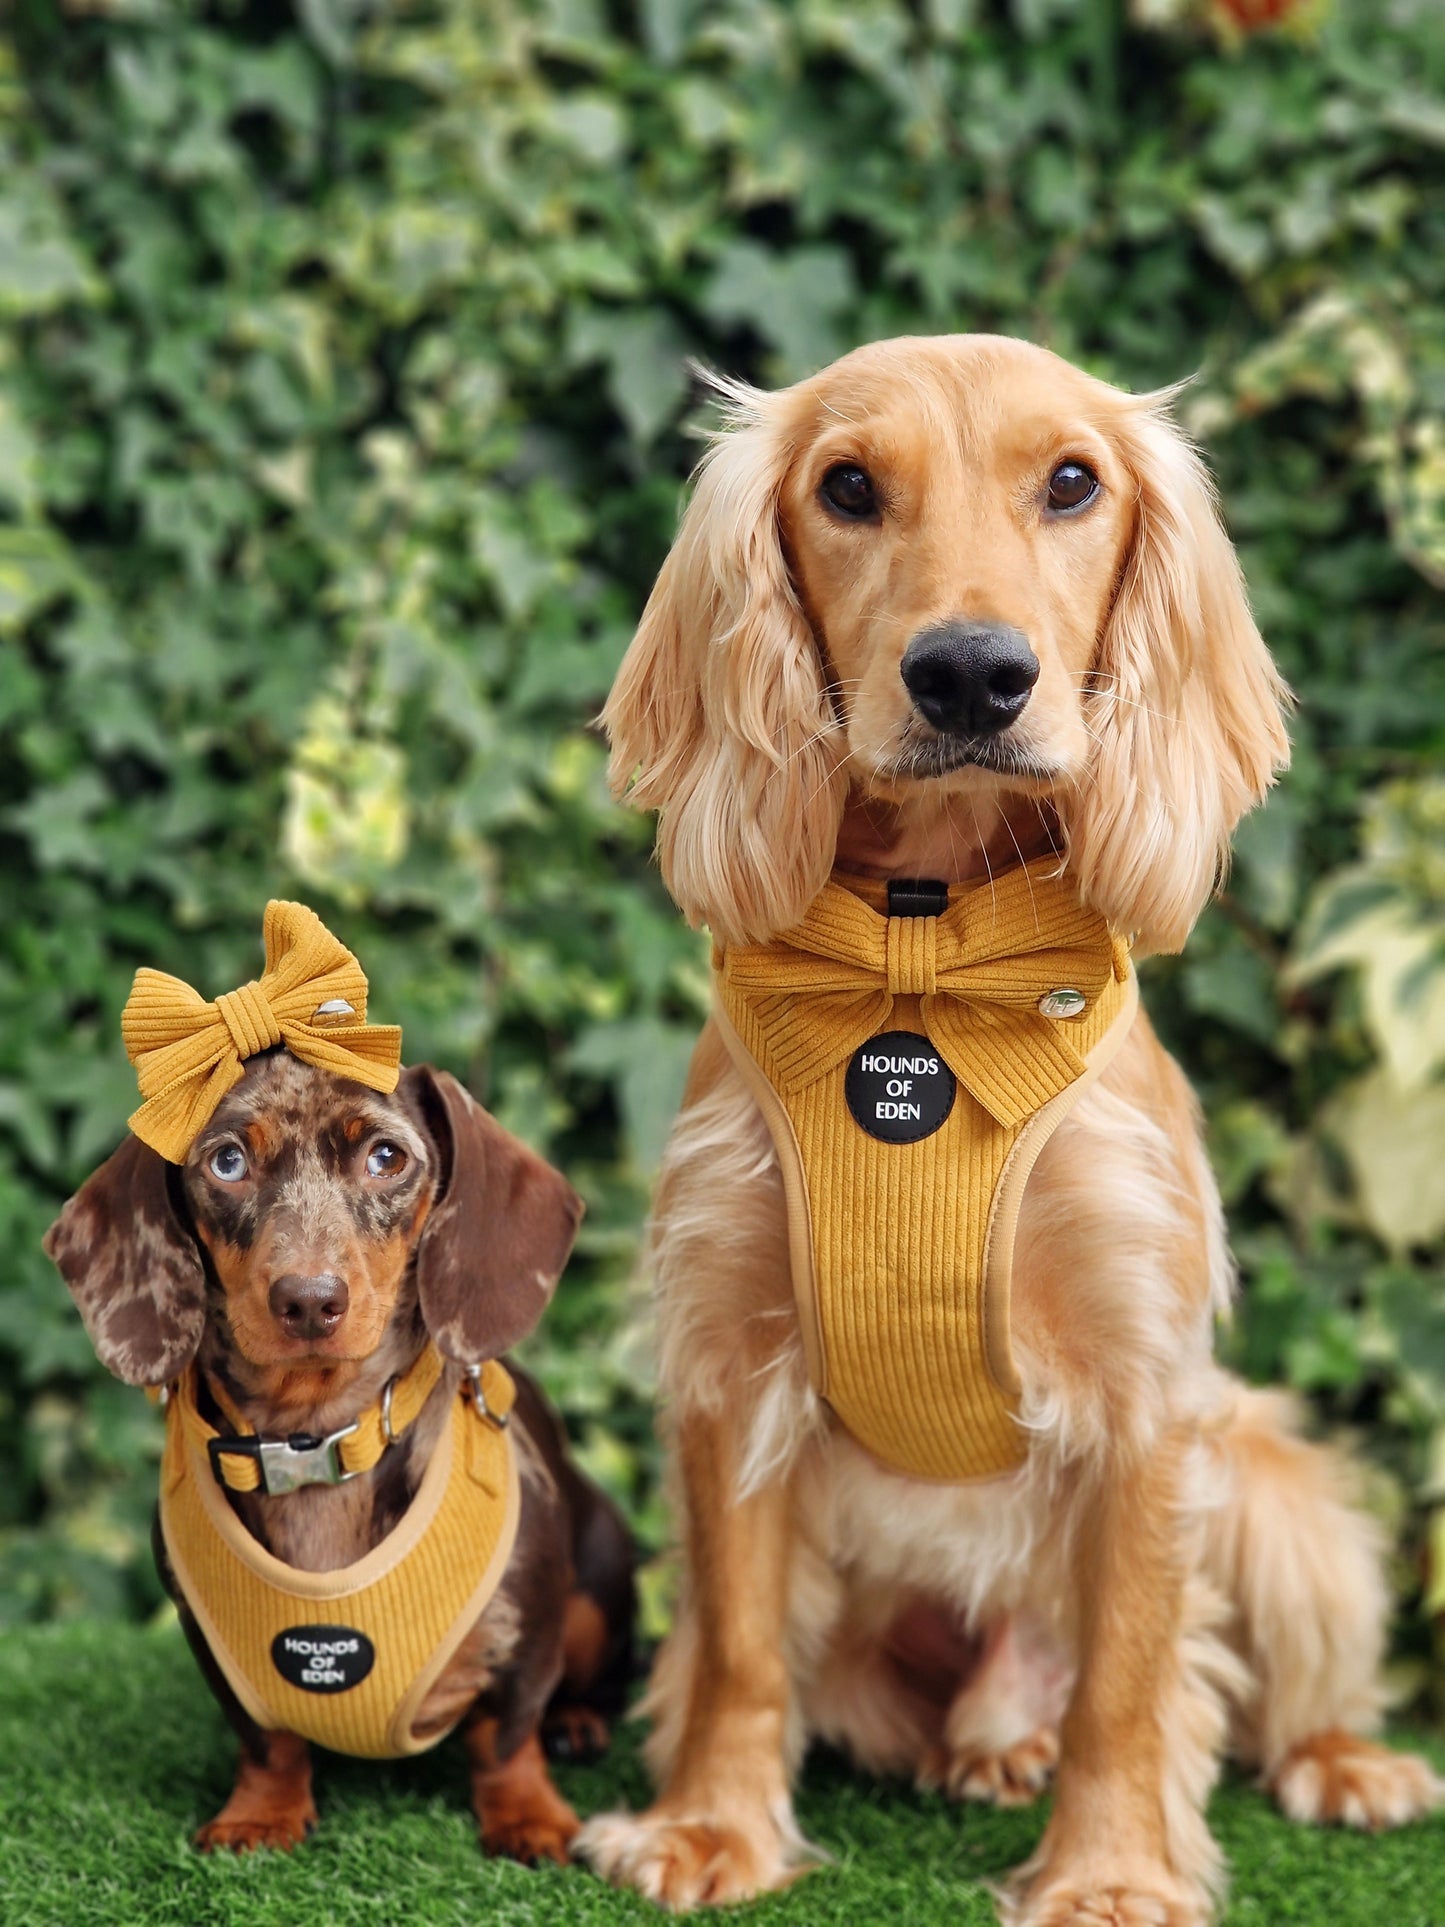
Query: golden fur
1173	1565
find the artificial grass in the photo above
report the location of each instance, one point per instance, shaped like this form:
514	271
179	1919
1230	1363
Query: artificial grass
112	1752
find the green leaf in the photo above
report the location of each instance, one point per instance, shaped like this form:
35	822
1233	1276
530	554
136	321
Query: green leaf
793	301
35	569
649	1061
646	364
1395	1141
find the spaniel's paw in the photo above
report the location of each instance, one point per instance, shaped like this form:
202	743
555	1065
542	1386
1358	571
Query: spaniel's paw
1012	1777
1139	1895
1336	1778
681	1862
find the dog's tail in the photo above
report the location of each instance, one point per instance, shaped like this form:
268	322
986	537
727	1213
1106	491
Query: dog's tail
1303	1565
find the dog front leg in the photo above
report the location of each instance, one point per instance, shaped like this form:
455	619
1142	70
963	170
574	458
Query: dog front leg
721	1828
271	1803
1127	1842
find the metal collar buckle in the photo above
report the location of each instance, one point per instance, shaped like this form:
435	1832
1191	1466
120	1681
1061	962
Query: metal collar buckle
479	1398
287	1464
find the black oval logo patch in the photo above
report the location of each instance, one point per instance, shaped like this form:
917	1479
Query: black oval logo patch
898	1087
323	1659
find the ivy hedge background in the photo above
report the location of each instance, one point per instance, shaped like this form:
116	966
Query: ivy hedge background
344	411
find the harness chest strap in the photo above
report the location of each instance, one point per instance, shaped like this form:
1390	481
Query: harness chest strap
346	1658
1017	997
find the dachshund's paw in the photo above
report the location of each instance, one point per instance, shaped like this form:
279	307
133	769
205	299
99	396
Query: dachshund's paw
533	1837
243	1832
681	1863
521	1814
1336	1778
1144	1895
1012	1777
577	1733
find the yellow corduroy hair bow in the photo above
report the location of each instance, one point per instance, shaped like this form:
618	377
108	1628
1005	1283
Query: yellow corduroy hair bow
188	1053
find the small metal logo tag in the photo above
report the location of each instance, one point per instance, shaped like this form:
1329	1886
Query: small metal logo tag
1063	1003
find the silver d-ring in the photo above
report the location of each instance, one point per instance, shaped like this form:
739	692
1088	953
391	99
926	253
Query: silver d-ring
479	1398
386	1397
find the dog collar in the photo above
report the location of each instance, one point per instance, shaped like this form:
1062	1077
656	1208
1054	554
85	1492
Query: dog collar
243	1461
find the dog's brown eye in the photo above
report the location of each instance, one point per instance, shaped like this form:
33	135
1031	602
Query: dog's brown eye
1071	485
385	1160
228	1163
849	489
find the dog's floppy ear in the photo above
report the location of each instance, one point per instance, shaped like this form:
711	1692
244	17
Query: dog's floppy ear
1187	709
132	1267
493	1248
720	717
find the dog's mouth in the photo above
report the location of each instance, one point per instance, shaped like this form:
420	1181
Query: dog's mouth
265	1342
926	758
298	1355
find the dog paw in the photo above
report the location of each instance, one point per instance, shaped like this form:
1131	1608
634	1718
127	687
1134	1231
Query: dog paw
1336	1778
244	1833
575	1733
1128	1890
1148	1901
533	1837
1012	1777
683	1863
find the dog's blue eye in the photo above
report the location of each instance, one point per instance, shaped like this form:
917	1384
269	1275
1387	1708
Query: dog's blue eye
228	1163
1070	486
385	1160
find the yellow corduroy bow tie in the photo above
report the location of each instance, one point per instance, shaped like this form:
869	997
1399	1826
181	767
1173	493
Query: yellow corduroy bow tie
189	1053
981	971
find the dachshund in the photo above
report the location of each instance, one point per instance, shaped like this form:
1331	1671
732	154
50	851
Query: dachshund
317	1237
953	610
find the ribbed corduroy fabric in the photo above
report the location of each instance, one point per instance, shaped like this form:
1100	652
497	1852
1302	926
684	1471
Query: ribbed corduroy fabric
902	1252
188	1053
414	1596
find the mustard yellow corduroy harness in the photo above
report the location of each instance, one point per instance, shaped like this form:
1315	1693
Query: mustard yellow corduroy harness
345	1658
911	1066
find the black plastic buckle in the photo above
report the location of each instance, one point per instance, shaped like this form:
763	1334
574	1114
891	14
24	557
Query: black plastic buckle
240	1446
917	897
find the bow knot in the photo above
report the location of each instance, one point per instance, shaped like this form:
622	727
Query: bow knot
188	1053
912	956
979	970
249	1018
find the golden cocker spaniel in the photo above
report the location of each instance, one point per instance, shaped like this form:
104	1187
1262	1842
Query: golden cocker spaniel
947	608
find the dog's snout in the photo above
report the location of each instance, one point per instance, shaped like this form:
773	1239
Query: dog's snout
309	1307
970	679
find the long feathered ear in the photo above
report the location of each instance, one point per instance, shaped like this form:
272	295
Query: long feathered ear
720	717
133	1267
1186	708
498	1236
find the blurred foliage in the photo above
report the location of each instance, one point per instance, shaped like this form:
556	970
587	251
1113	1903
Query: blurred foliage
342	416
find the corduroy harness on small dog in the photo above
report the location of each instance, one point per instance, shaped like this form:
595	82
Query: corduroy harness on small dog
912	1048
345	1658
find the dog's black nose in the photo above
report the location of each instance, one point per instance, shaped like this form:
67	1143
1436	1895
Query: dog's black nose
970	678
309	1307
